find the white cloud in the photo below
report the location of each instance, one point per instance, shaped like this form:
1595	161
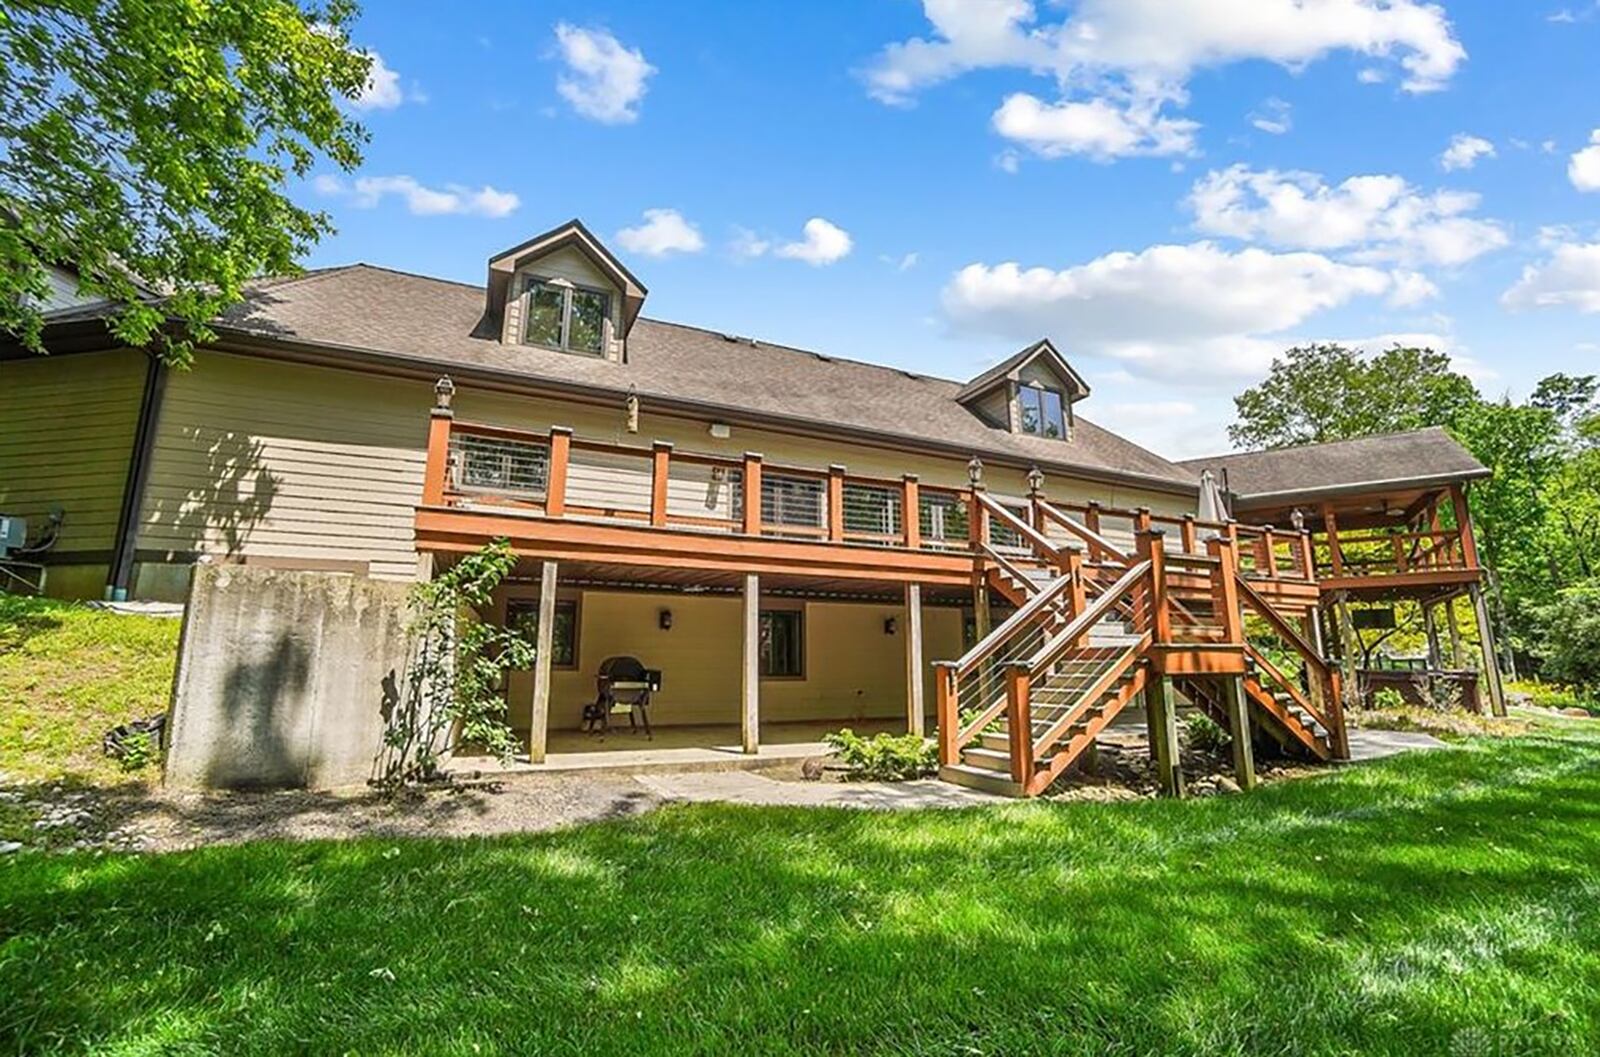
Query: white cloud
1584	168
1375	217
903	263
1274	117
1411	288
664	231
1126	60
1008	161
1460	361
823	243
1570	278
382	90
604	80
1099	128
1464	152
1185	312
746	244
367	191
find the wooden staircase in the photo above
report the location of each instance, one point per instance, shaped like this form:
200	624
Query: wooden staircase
1086	639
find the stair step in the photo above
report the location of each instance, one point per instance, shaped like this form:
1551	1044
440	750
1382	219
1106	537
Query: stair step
977	778
987	759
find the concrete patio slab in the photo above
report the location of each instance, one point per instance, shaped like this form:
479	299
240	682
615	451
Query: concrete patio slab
1378	744
743	787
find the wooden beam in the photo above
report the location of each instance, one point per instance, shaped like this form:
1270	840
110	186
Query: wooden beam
660	467
1225	589
1162	722
1330	526
555	490
437	467
949	713
544	645
911	511
1491	656
1469	542
750	667
1238	709
1019	722
752	493
981	618
914	699
836	503
1458	653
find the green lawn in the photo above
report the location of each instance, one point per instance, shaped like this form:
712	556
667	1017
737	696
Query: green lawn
1446	903
68	674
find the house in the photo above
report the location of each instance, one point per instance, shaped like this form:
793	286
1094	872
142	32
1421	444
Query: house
795	540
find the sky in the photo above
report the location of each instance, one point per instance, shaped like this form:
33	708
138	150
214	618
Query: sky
1172	191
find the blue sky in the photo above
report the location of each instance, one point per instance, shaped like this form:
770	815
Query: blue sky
1171	190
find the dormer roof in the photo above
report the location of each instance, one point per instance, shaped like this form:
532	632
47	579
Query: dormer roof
505	263
1010	370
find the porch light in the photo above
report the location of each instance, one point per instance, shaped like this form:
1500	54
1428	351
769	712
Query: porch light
1035	481
664	619
444	391
890	625
1297	518
632	407
975	471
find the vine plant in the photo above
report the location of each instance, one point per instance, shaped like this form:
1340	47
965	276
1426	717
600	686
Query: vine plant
455	677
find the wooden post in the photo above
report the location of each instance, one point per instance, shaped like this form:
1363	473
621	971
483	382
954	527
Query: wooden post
835	503
1162	722
911	511
1269	547
1458	653
1076	591
978	519
1225	590
437	468
1019	722
1308	556
949	716
1349	643
1141	519
1340	733
1091	516
1431	627
1189	539
750	669
1244	753
555	491
1491	656
1330	525
981	624
1152	545
660	467
752	493
914	698
544	647
1469	543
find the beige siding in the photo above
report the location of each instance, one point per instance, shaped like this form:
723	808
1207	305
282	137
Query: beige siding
66	435
853	669
289	463
609	480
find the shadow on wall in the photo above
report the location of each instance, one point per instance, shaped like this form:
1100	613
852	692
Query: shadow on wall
224	502
262	752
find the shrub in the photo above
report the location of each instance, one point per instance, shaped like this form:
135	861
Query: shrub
138	749
1388	698
885	757
1570	638
1204	733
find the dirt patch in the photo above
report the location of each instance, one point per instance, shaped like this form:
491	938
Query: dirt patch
1439	724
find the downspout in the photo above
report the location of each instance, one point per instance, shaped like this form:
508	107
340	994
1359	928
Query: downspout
120	575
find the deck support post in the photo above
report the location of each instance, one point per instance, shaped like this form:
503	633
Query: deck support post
1162	720
539	715
1244	751
1491	656
980	608
750	668
1458	653
915	723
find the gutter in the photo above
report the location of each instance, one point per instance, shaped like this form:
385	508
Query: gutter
1253	499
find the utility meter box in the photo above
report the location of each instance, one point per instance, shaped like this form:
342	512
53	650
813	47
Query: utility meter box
13	534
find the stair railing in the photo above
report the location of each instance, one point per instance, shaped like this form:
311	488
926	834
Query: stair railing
1099	547
1038	541
1323	703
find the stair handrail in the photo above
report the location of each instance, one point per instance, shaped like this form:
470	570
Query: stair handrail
1004	562
1331	715
1082	622
1098	544
992	641
1037	539
1277	675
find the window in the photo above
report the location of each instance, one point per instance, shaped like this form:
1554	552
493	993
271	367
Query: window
563	316
782	643
1042	412
522	616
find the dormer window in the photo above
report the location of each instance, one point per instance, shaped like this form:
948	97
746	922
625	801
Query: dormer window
565	316
1041	411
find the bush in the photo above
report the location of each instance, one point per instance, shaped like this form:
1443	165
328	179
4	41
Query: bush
138	749
885	757
1204	733
1388	698
1570	633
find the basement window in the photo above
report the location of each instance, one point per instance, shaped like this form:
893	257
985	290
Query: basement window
1042	412
566	317
782	647
522	617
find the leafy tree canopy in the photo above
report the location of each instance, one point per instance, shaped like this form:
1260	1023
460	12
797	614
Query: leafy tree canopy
145	144
1318	393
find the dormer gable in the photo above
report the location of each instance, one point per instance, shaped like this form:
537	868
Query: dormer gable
564	290
1031	392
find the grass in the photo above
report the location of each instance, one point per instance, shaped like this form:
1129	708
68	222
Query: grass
1441	903
69	673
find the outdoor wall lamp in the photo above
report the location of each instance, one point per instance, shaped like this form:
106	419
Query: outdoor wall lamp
890	624
444	390
664	619
632	406
1035	481
975	471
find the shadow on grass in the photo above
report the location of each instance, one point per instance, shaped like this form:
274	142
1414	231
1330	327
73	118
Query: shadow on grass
1389	908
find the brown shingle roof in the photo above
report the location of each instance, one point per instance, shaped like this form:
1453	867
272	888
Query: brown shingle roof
1420	457
441	323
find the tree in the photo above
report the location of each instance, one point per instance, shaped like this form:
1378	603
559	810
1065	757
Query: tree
1318	393
147	144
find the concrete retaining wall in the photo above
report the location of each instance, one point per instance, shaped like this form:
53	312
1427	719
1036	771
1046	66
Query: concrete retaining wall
284	678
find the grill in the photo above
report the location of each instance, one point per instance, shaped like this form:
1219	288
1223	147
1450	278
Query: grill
623	684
